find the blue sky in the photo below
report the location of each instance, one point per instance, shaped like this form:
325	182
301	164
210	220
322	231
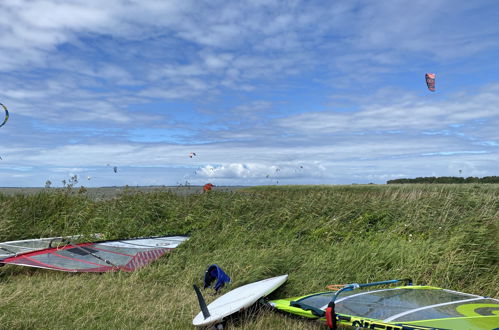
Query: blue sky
264	92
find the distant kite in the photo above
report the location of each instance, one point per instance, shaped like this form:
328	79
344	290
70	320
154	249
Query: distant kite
430	81
6	115
191	154
115	169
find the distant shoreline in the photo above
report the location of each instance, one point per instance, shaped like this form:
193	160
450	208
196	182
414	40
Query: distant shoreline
115	190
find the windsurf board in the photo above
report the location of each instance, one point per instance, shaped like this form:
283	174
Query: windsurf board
237	300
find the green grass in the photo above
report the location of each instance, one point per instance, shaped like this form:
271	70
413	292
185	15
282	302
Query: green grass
442	235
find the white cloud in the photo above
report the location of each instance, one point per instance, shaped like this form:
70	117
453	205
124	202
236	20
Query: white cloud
262	171
408	114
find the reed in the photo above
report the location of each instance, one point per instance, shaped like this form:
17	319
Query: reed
442	235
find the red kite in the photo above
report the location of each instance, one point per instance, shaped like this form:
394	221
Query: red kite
430	81
207	187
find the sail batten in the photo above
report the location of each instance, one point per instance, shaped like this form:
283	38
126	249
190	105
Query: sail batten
396	316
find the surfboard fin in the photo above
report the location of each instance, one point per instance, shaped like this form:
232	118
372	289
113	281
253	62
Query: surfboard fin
202	303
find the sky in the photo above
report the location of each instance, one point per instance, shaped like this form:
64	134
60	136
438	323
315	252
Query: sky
263	92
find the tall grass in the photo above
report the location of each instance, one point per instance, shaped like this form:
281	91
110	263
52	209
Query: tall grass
441	235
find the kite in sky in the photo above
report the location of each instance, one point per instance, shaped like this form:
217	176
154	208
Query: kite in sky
6	114
191	154
430	81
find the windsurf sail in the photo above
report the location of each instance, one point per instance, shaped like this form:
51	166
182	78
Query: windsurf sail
125	255
404	307
13	248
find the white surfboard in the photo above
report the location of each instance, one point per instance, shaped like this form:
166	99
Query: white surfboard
238	299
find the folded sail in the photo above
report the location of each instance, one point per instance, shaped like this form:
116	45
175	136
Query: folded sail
13	248
125	255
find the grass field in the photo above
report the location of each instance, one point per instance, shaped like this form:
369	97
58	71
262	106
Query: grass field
442	235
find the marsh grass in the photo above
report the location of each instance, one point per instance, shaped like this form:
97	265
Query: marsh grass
442	235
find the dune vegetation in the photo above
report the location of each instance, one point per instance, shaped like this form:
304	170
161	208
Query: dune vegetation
441	235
